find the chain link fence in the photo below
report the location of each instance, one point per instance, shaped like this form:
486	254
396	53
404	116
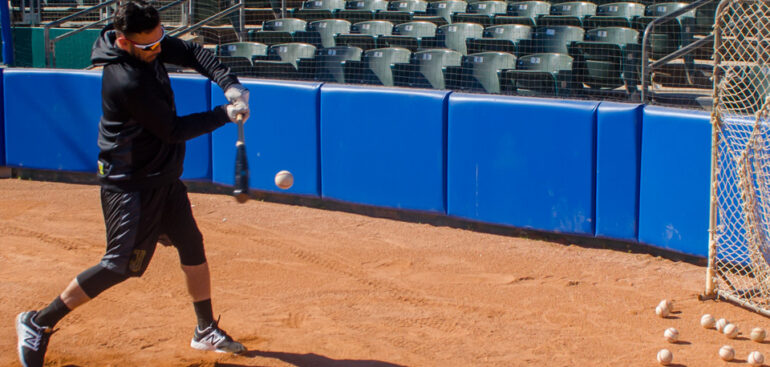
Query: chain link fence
575	49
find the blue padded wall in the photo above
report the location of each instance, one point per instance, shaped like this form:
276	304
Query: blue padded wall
384	146
522	162
281	134
674	184
618	152
2	122
51	118
192	94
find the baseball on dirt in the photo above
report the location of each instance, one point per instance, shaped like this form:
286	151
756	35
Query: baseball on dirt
668	303
665	357
720	324
661	310
758	334
730	331
727	353
707	321
671	335
755	359
284	179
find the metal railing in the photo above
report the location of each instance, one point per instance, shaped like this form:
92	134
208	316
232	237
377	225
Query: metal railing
648	66
240	7
50	44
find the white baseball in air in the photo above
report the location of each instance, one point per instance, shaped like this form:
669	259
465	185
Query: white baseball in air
756	359
665	357
707	321
284	179
727	353
720	324
730	331
661	310
671	335
758	334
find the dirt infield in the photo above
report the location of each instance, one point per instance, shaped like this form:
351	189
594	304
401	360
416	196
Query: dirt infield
308	287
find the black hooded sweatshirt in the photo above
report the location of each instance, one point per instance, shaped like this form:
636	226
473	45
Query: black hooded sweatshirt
141	138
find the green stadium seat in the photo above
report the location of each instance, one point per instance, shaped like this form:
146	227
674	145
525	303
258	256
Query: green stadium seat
605	56
270	37
500	38
364	34
402	11
361	10
318	9
426	69
242	49
445	9
509	19
620	14
568	13
668	36
487	7
408	35
325	29
376	66
552	39
291	52
328	64
484	68
454	36
527	9
539	74
284	25
239	65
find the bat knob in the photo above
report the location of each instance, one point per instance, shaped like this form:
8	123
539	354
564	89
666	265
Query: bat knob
241	197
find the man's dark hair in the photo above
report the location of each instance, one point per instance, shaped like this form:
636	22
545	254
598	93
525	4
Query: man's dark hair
136	16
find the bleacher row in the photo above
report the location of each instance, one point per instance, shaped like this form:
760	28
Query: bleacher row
486	46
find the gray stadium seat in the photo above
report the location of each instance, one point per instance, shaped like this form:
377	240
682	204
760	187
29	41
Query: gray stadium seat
361	10
446	8
408	35
328	64
327	29
540	74
501	38
364	34
426	69
242	49
484	70
455	35
376	66
604	53
620	14
556	39
568	13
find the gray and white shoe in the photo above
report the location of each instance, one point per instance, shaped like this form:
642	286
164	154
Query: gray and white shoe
215	339
32	339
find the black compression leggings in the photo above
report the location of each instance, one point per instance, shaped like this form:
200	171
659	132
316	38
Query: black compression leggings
98	279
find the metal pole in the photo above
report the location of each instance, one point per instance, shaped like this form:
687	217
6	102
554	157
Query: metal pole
283	8
242	21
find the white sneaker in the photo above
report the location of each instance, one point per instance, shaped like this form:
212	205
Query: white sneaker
215	339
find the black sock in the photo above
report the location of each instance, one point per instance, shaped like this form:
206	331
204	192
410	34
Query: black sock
204	313
50	315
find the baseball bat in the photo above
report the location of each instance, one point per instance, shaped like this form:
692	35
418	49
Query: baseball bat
241	190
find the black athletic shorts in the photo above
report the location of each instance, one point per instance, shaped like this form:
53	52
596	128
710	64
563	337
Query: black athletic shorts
137	220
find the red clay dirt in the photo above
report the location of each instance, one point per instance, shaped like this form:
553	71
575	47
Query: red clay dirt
309	287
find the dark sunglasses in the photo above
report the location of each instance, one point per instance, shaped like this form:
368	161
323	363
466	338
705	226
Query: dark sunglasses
150	46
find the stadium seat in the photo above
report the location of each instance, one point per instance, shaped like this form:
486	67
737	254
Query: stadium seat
528	11
668	36
270	37
325	30
539	74
455	35
482	70
604	54
481	12
328	64
402	11
376	66
568	13
361	10
619	14
445	9
239	65
408	35
501	38
242	49
284	25
552	39
318	9
426	68
364	34
291	52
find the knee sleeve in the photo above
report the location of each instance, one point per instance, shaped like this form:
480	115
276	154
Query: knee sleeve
192	255
97	279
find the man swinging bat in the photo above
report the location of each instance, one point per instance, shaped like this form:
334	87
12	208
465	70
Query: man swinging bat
142	148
